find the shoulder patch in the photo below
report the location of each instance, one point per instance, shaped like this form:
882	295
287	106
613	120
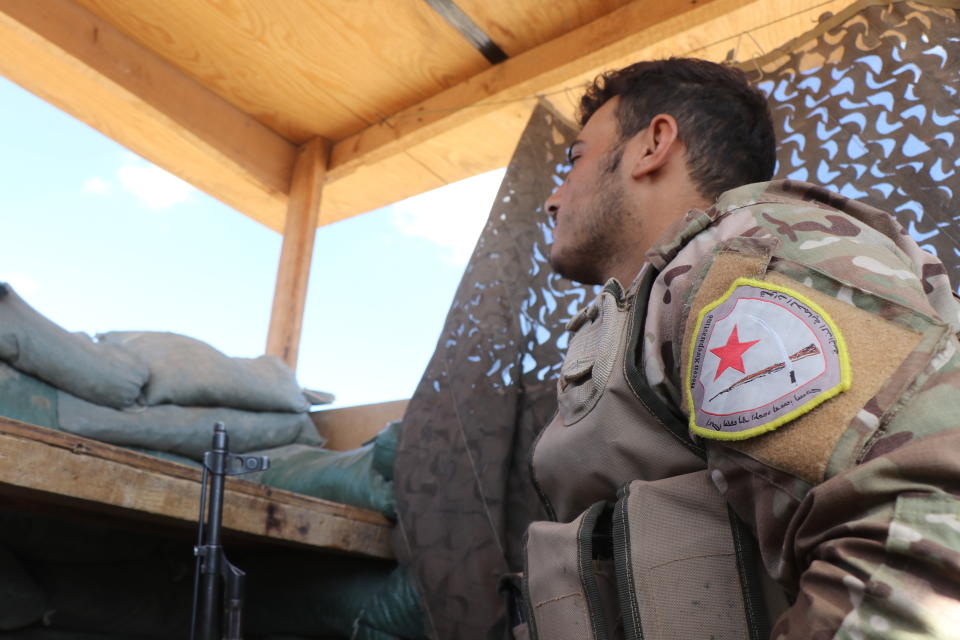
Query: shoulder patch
761	355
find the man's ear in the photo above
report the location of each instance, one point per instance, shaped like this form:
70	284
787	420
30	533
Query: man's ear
656	145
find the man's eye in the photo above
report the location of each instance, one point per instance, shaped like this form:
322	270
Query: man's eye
573	159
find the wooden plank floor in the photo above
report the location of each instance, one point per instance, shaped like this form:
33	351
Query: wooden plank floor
35	461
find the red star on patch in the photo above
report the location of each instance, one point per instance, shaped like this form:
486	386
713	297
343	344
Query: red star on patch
731	354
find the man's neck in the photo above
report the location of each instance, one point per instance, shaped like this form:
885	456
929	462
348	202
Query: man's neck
652	228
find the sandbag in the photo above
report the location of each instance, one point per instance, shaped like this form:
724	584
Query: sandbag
146	596
101	579
100	373
23	397
191	373
314	595
393	608
186	431
346	477
44	633
109	582
385	448
22	601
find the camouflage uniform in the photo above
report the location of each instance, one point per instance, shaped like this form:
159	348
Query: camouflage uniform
866	540
851	499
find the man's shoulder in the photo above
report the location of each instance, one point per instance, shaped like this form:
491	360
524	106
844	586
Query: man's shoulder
850	241
794	209
788	192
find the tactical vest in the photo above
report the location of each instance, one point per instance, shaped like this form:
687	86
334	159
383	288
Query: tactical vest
668	558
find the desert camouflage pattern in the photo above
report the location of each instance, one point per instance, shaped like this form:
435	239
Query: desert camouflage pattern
871	549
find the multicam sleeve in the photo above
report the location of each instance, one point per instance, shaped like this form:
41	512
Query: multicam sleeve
874	550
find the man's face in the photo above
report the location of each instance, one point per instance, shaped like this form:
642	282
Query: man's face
588	208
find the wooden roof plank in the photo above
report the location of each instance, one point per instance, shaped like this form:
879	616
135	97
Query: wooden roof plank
737	35
80	63
176	105
631	26
483	145
304	68
518	26
376	185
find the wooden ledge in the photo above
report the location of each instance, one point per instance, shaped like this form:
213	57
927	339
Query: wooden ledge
77	470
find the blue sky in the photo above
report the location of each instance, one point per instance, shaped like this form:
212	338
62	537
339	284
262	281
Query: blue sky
98	239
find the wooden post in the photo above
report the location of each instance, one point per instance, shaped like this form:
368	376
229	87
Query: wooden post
289	298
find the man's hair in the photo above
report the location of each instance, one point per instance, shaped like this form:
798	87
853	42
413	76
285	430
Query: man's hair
723	120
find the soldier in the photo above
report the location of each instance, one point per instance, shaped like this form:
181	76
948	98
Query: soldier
781	372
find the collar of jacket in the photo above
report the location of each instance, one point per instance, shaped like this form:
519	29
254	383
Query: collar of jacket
694	221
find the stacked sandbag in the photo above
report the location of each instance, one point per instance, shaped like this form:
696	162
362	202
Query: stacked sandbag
101	373
302	596
154	390
362	477
191	386
185	431
44	633
160	393
23	397
188	372
22	601
80	580
66	580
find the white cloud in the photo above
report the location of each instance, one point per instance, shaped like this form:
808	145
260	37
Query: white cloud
157	188
97	185
452	216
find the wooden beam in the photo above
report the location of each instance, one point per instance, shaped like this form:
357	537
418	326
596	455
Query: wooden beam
76	61
349	427
629	28
289	298
35	461
739	34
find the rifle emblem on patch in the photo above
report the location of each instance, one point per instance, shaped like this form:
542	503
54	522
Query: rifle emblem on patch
761	356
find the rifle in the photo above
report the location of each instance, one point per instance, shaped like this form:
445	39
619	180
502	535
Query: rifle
212	564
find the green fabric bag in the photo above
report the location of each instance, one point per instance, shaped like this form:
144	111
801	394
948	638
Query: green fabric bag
191	373
26	398
44	633
385	448
186	431
100	373
321	595
347	477
22	601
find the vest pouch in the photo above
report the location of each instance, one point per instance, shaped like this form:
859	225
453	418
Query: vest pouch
680	563
568	583
611	427
596	331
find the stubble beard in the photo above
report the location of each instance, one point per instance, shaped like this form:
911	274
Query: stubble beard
601	238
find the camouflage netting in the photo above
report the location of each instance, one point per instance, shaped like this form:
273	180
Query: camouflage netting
868	105
460	479
865	104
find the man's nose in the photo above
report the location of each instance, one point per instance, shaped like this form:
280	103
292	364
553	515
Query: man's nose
552	204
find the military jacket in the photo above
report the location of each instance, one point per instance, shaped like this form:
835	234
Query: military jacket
811	346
